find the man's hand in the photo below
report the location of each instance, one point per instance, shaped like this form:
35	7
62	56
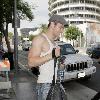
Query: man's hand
62	66
57	51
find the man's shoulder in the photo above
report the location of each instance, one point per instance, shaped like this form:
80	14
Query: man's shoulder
39	38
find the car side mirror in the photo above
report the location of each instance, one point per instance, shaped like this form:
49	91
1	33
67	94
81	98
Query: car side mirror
76	51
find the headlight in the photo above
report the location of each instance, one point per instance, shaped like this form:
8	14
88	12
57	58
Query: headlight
89	63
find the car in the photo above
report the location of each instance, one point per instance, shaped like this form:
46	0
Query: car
26	44
94	51
76	65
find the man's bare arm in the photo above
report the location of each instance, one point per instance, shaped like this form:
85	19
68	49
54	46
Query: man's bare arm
34	58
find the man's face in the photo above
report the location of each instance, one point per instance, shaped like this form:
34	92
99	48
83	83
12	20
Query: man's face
58	28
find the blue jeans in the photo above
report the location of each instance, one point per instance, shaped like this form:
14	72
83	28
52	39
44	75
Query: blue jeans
42	90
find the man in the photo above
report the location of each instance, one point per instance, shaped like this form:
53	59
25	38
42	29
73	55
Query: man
41	54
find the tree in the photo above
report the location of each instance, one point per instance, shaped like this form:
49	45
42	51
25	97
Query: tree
43	28
0	34
1	43
72	32
10	35
31	37
6	12
24	10
0	38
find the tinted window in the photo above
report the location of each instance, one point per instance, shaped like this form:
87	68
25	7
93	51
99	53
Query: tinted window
67	49
97	46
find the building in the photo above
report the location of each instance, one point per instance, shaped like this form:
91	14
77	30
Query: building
25	31
78	12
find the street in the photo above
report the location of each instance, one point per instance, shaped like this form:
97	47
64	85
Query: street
94	83
85	89
64	37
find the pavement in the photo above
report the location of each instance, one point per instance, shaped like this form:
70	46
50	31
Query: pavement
23	88
82	50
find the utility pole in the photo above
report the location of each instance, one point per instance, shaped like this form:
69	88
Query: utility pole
85	21
15	40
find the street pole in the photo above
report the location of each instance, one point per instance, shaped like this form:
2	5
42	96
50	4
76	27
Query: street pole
15	40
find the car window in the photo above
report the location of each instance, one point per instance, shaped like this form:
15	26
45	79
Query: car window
98	46
67	49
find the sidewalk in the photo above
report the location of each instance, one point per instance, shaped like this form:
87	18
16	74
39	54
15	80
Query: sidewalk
23	87
82	50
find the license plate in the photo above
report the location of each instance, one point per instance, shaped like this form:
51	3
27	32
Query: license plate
81	74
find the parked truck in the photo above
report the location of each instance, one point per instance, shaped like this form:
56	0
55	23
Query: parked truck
76	65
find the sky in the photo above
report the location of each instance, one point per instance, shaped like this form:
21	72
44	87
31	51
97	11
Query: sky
40	14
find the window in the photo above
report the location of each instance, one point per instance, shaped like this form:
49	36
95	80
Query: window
81	1
80	15
67	16
63	9
67	49
54	12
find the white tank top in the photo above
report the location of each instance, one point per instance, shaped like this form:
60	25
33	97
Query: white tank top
47	69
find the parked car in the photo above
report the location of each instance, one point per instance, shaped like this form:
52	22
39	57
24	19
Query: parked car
76	65
94	51
26	44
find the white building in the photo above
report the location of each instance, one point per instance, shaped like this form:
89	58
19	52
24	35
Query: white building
77	12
